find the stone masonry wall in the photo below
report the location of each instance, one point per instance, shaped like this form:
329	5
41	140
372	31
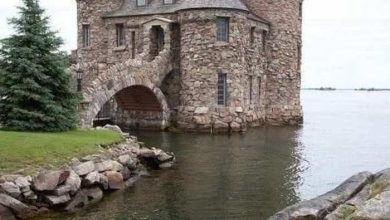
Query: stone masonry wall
271	60
284	58
202	57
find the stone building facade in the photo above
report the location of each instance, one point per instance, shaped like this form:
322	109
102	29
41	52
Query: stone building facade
222	65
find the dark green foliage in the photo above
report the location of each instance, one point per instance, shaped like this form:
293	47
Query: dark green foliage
35	91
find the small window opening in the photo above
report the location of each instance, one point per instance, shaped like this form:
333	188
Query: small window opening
142	2
86	35
222	88
133	44
250	89
252	35
120	35
169	2
223	29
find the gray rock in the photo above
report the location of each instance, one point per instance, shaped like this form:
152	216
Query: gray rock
124	159
115	180
164	157
72	185
319	207
48	181
116	166
30	195
103	181
18	208
6	213
375	208
113	128
11	189
56	200
62	190
84	198
165	165
103	166
91	178
73	181
146	153
84	168
23	182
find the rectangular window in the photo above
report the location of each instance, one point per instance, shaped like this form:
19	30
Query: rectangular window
133	44
250	89
169	2
222	88
252	35
142	2
264	39
120	35
86	35
223	29
259	81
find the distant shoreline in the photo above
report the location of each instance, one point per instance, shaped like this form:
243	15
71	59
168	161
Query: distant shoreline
334	89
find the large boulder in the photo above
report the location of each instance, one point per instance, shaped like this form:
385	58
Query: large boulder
48	181
91	179
71	185
6	213
115	180
103	166
56	200
23	182
321	206
113	128
375	208
11	189
146	153
84	168
21	210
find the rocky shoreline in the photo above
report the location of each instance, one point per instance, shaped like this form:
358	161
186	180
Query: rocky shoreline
81	183
364	196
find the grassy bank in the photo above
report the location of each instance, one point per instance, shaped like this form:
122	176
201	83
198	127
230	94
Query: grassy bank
32	151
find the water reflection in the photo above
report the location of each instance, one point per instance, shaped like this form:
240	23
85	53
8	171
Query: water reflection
243	176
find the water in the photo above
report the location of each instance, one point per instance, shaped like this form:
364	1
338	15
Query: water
252	175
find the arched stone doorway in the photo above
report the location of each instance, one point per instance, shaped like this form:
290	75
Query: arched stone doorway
135	107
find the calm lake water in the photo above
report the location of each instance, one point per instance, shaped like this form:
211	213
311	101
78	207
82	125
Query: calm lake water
253	175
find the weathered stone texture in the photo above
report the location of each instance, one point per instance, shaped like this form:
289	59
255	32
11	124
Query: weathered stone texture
183	74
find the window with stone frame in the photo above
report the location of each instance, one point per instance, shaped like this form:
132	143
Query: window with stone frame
86	35
169	2
250	89
142	3
222	89
223	29
264	39
259	87
120	35
252	35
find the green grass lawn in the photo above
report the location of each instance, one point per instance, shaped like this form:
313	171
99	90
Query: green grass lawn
33	151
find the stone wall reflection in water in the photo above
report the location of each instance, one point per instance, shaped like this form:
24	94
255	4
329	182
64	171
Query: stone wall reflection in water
244	176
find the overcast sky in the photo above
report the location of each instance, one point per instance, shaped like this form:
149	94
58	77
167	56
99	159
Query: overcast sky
346	42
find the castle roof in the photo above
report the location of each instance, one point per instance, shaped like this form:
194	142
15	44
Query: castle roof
130	8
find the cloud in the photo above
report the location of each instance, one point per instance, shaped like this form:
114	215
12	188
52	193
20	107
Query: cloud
62	14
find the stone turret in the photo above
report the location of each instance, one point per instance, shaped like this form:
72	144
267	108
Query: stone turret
284	58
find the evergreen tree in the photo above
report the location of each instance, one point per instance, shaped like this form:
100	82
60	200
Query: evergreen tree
35	90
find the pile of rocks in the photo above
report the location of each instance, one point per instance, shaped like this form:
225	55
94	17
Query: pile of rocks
364	196
81	182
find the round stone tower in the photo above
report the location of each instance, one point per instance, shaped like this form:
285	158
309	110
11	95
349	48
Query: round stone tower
284	58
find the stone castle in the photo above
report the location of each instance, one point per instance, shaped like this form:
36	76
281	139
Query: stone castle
198	65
